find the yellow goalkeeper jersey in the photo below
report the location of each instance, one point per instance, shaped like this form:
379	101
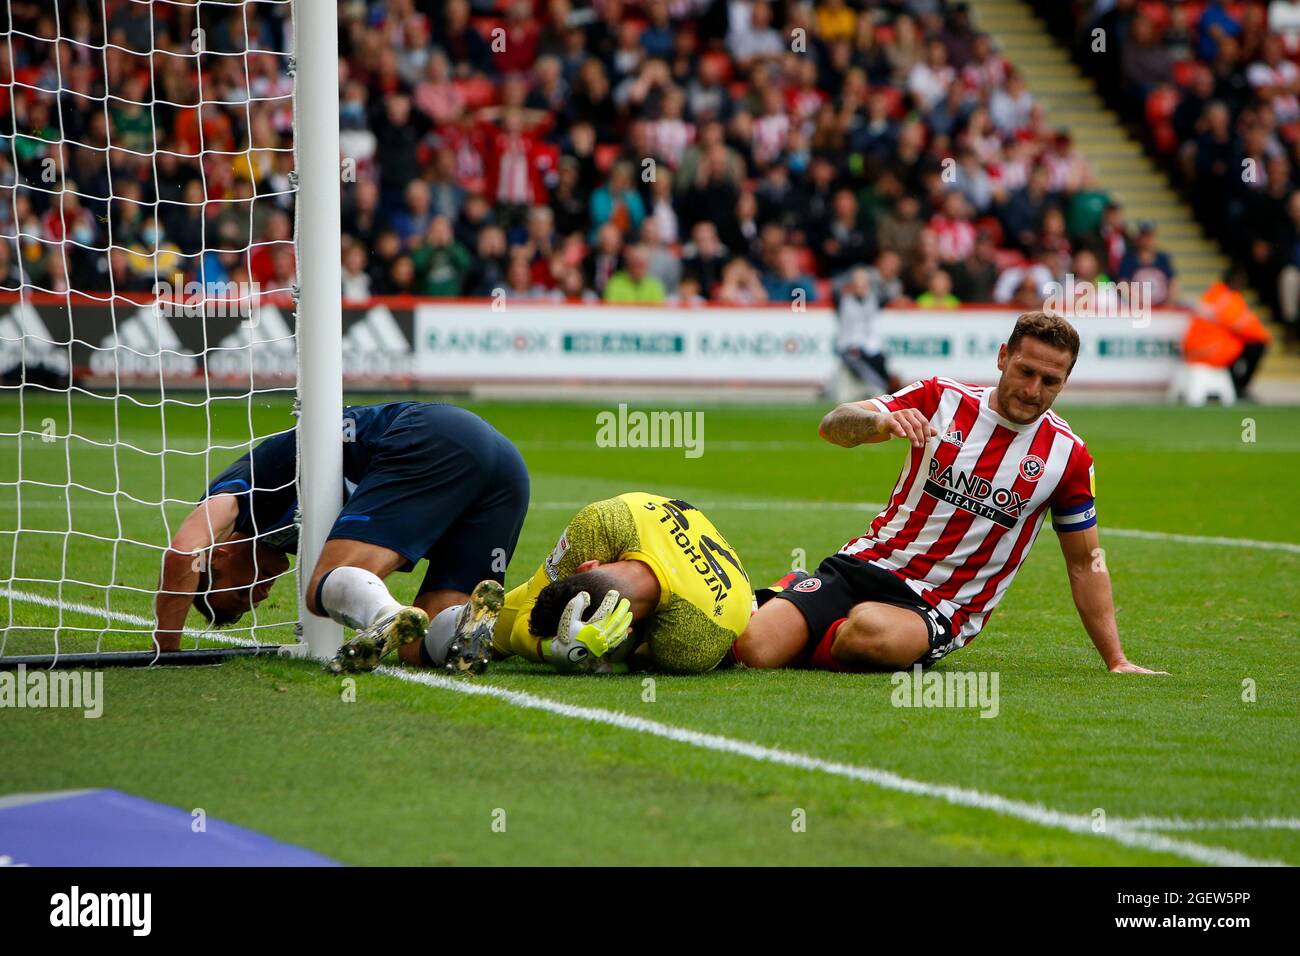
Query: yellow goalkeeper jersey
705	596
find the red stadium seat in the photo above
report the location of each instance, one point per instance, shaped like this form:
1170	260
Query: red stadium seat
1160	107
478	91
807	260
1184	72
894	97
1006	258
723	62
485	26
1157	12
1161	103
992	226
606	154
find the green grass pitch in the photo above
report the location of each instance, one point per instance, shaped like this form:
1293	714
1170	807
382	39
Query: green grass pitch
413	774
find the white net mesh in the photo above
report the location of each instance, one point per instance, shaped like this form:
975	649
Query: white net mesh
146	319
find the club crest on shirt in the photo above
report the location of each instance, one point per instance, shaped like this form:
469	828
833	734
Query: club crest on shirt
1032	467
556	556
808	584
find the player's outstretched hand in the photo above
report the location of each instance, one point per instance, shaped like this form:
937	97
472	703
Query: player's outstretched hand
1126	667
909	423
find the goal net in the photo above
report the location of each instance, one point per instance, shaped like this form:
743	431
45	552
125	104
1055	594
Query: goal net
148	277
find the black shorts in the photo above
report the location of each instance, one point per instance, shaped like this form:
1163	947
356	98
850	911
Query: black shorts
443	485
841	582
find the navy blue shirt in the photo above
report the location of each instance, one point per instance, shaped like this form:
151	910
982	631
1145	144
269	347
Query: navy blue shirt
264	481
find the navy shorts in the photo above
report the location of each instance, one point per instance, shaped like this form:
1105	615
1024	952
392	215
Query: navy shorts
842	581
445	485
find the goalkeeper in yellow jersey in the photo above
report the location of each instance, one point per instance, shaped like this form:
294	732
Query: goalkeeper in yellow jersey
653	564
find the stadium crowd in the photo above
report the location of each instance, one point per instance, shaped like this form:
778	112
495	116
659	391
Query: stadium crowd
1215	86
728	151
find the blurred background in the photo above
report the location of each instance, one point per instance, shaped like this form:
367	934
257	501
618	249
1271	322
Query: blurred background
817	198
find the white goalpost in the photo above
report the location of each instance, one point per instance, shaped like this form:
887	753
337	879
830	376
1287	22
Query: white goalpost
168	300
320	303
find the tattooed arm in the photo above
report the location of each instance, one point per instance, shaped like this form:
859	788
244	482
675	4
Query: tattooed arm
860	423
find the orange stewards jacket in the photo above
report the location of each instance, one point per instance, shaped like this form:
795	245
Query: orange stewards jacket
1228	325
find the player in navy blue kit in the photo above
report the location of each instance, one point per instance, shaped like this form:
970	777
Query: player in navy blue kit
421	481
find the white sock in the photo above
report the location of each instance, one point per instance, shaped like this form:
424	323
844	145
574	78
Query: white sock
356	598
438	637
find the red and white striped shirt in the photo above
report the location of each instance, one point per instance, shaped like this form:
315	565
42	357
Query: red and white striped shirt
968	505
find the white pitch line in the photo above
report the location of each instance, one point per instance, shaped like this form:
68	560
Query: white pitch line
120	616
1178	823
958	796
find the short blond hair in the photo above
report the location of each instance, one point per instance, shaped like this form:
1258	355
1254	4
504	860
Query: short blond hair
1047	328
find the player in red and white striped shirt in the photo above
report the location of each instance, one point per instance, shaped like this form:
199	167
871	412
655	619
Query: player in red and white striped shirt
985	467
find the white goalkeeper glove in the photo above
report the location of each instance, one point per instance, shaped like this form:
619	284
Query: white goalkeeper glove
579	644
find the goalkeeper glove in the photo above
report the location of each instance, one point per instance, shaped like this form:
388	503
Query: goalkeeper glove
579	644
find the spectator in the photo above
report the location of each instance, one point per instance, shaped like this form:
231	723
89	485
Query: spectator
953	229
1022	216
474	216
634	284
973	278
1276	80
605	259
519	284
843	243
618	203
1011	107
928	82
487	274
704	258
1145	62
662	263
440	262
397	136
401	278
1146	264
740	285
411	222
939	293
657	38
436	95
1027	281
462	43
887	279
835	21
356	278
661	207
900	230
751	38
788	282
